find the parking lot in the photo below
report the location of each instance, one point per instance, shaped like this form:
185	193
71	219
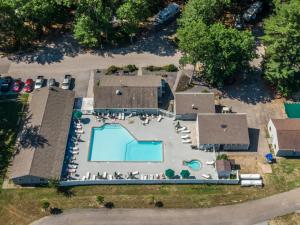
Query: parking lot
79	83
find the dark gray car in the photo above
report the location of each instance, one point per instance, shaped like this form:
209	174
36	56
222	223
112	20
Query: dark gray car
52	82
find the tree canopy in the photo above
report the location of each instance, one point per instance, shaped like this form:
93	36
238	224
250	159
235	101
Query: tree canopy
282	38
224	52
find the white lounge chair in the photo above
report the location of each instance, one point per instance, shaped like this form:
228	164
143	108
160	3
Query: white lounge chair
206	176
157	176
74	153
88	174
119	116
135	173
79	131
181	129
104	175
210	162
159	118
186	141
72	166
109	177
123	116
185	131
94	177
71	170
83	178
147	120
75	148
185	136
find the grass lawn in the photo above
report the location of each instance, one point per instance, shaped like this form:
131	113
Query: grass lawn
22	206
289	219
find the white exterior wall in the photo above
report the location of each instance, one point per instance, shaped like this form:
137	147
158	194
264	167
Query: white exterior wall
273	136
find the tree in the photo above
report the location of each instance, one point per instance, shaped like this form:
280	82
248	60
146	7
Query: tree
13	32
224	52
93	22
131	13
282	38
206	10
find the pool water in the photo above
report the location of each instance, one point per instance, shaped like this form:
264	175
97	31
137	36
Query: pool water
112	142
193	164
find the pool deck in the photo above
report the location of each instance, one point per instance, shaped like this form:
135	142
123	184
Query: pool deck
174	150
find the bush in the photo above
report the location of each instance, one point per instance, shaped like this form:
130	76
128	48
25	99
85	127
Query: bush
109	205
205	91
222	157
159	204
100	199
45	205
112	69
170	68
55	211
153	68
131	68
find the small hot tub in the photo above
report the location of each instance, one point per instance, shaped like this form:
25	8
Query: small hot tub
193	164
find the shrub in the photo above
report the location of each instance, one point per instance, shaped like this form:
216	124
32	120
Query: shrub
170	68
109	205
205	91
159	204
55	211
153	68
131	68
45	205
222	157
100	199
112	69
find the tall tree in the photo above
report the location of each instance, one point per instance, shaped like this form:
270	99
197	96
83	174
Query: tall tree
206	10
131	13
282	38
224	52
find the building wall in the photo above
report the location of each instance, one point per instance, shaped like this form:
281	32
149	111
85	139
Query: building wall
288	153
127	111
191	116
227	147
224	174
273	136
29	180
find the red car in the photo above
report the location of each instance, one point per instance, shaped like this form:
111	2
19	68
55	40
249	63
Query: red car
17	86
28	85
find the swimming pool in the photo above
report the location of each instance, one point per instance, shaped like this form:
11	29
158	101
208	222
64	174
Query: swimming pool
112	142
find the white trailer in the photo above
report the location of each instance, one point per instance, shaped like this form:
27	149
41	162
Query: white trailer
250	176
248	183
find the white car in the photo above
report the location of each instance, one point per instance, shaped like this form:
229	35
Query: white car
66	82
39	82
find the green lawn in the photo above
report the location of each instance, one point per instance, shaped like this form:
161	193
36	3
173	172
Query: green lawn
289	219
22	206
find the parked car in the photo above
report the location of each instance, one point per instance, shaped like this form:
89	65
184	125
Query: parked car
6	84
167	14
252	12
39	82
66	82
28	87
52	82
238	23
17	86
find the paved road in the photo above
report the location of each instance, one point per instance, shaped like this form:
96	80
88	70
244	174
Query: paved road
251	212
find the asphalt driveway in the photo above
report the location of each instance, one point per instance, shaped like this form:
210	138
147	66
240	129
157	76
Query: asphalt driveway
247	213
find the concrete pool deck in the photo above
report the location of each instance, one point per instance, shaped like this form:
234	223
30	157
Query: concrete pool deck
174	150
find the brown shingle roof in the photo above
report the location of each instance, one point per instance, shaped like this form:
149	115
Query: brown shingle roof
288	133
223	128
126	92
193	103
46	133
130	81
223	165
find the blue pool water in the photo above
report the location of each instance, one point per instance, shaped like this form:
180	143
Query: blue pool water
112	142
193	164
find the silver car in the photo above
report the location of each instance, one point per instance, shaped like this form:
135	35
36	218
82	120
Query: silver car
39	82
66	82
